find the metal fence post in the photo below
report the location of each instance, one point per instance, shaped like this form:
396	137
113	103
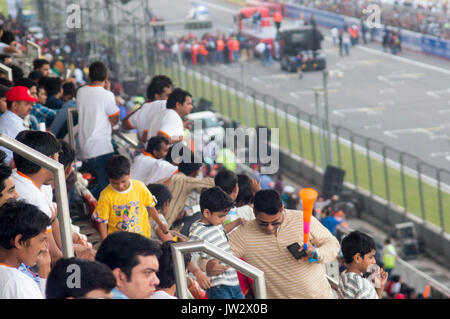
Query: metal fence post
266	116
386	177
402	177
228	98
219	87
338	147
211	86
255	108
202	79
300	143
355	168
288	136
275	104
441	210
194	78
419	179
369	167
313	151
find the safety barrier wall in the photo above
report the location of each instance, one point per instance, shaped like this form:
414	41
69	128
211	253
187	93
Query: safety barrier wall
410	40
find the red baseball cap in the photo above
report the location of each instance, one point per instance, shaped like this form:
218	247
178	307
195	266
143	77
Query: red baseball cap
19	93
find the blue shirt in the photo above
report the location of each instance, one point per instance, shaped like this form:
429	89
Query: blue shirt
330	223
54	103
117	294
266	182
27	271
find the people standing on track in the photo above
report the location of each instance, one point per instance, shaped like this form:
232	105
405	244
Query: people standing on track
299	63
277	19
346	41
335	35
220	49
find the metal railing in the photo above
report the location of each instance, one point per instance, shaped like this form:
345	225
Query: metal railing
60	187
196	246
401	178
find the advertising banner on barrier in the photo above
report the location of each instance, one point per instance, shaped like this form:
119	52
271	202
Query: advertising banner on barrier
410	40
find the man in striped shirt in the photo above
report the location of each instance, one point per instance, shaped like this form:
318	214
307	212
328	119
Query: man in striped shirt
215	204
358	250
263	243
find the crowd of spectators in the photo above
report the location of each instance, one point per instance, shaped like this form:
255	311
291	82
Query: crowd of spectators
216	49
427	17
141	200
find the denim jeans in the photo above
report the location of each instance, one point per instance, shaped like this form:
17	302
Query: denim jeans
61	119
98	165
225	292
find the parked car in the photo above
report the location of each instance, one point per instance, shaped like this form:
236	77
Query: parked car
210	125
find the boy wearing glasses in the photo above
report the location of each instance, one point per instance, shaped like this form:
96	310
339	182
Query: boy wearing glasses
215	205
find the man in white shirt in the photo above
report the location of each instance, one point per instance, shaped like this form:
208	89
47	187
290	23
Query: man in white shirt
33	183
97	114
19	105
179	104
23	239
149	114
150	166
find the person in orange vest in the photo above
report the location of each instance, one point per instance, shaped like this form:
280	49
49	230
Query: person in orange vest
220	45
194	52
203	52
230	49
235	49
277	18
155	29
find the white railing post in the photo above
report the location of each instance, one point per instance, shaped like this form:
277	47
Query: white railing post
195	246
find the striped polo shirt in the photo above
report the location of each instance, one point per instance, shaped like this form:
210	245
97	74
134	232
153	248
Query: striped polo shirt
215	235
353	286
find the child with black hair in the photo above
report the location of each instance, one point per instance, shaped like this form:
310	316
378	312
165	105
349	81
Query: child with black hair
215	205
163	197
228	182
125	204
358	250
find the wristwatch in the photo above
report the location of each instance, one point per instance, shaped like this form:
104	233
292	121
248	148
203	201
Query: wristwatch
314	256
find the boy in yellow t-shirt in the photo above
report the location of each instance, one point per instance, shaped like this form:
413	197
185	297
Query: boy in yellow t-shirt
125	204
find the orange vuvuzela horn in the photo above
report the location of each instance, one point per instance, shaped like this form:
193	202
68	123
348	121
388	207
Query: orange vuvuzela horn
308	196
